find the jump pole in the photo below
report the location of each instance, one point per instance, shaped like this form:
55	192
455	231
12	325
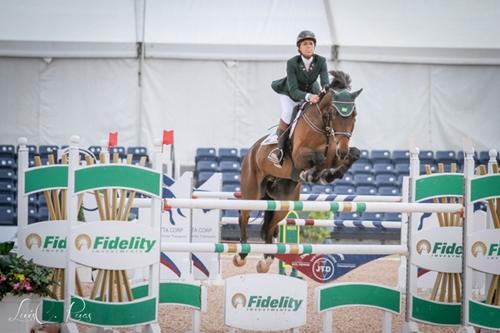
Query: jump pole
314	206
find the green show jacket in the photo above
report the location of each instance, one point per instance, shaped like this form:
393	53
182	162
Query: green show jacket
299	82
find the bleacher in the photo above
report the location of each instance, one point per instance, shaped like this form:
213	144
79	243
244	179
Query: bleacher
38	210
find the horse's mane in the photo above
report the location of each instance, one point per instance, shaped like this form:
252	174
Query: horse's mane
340	80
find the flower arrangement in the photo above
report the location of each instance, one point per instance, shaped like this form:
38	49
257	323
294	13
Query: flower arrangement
19	276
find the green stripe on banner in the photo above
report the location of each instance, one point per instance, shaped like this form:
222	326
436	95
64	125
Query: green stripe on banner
334	207
124	314
246	248
378	296
439	185
52	310
298	205
485	187
280	248
180	293
307	248
484	315
219	248
360	207
47	177
435	312
121	176
271	205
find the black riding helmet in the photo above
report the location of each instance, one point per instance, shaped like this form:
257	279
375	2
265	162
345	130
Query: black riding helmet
306	34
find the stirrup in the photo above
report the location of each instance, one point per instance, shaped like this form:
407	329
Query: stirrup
276	156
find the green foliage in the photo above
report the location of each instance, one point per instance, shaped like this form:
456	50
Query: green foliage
19	276
315	234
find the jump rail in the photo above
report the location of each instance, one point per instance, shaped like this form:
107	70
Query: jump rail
303	197
314	206
284	248
326	223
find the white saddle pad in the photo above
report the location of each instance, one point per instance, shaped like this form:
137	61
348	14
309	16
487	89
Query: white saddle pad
272	138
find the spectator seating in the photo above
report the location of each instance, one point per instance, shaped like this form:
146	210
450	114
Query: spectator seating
228	154
321	189
231	166
206	154
8	151
120	150
426	157
381	156
46	150
401	156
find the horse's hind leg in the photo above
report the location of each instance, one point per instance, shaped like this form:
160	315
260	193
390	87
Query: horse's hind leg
240	258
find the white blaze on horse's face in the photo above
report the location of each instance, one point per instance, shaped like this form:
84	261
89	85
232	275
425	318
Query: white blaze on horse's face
344	119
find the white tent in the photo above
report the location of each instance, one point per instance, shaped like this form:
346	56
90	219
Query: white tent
430	69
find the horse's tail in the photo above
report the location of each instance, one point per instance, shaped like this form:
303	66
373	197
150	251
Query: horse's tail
340	80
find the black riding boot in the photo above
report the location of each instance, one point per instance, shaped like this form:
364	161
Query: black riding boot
276	155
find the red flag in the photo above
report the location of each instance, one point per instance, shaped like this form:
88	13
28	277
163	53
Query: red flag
168	137
112	139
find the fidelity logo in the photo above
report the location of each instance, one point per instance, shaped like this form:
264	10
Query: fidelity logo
114	244
439	249
49	243
480	248
263	303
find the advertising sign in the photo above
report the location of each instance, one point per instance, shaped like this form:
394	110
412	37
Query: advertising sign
326	268
114	245
265	302
45	243
439	249
484	251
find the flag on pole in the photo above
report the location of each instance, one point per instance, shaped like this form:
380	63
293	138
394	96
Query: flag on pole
168	137
112	139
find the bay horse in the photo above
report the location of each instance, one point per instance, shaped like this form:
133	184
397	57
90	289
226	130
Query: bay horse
318	152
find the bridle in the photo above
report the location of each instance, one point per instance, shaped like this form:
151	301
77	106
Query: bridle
326	128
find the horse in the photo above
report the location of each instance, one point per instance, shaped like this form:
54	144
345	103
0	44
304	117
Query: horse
317	152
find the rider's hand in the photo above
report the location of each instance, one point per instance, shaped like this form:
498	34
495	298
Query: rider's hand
314	99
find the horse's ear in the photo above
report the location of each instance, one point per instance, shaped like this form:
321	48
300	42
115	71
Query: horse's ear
326	100
356	93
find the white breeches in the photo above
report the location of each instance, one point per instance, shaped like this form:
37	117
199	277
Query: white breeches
287	105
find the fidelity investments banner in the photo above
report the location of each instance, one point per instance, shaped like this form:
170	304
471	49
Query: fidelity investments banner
270	302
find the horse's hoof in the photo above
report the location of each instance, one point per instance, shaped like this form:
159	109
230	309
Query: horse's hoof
238	261
262	266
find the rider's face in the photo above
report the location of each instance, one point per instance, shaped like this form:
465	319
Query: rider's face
306	48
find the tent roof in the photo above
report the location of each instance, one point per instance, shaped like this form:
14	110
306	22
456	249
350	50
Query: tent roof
427	31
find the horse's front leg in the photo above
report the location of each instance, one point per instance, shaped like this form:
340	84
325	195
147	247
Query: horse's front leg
309	161
340	168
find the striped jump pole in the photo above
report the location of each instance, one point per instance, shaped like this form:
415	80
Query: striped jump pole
366	224
281	248
315	206
304	197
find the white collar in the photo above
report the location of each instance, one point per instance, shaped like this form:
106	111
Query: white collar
307	62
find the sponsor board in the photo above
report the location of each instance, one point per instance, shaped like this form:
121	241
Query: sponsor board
438	249
269	302
45	243
484	251
114	245
326	268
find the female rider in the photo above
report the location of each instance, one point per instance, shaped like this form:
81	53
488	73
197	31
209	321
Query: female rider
300	84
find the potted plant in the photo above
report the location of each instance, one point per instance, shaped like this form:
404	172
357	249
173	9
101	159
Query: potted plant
22	283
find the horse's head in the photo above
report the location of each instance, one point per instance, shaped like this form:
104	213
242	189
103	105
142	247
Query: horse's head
341	106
